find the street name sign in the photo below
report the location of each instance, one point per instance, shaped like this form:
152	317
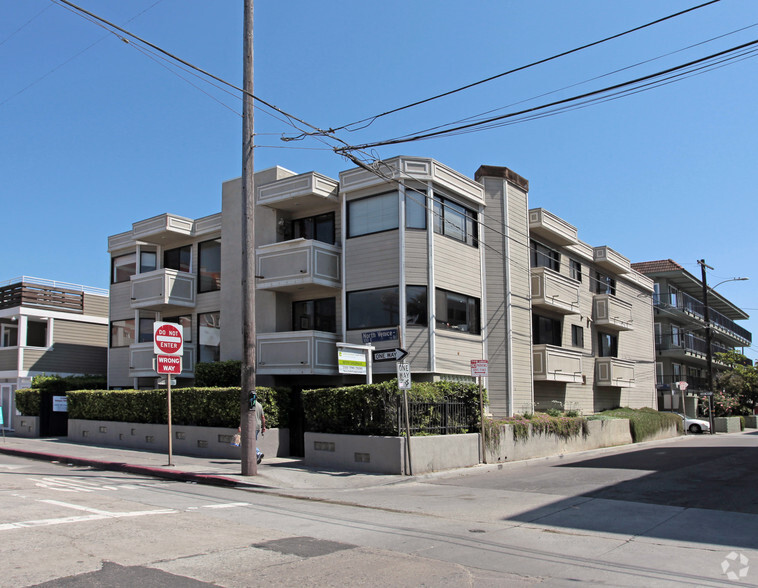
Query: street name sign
389	354
167	339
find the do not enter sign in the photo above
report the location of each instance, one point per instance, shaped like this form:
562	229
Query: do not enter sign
167	339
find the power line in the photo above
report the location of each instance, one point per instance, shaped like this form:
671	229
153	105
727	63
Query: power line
371	119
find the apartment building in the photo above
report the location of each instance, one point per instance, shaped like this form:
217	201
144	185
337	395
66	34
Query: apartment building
680	340
49	327
412	254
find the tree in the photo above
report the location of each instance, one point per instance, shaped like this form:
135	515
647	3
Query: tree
738	381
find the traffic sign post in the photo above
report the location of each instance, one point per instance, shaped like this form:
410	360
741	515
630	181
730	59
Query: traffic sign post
479	369
168	345
404	383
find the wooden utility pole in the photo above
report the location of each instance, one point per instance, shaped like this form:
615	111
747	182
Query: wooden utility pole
247	410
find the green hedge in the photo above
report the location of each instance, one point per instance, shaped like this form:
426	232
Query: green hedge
58	385
27	402
221	374
372	409
203	407
643	422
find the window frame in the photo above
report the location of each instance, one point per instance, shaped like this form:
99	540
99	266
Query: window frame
115	265
610	350
392	320
184	249
5	333
313	315
554	333
202	278
352	204
577	336
312	223
541	255
575	270
200	345
415	200
473	324
604	284
469	227
125	327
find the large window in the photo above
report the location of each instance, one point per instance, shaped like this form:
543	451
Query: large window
415	209
318	228
370	309
372	215
36	334
145	334
457	312
416	305
179	258
607	345
123	267
604	284
209	336
8	335
209	260
575	270
546	331
315	315
122	333
455	221
148	261
543	256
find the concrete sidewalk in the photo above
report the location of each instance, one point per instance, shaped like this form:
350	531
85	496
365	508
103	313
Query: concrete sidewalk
273	474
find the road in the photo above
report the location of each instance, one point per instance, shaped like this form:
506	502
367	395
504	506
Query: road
674	513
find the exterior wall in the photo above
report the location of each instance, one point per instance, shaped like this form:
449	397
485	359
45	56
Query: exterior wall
372	261
78	348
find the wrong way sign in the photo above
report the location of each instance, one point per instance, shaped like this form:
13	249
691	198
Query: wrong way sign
167	339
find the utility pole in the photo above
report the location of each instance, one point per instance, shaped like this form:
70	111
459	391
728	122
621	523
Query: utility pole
247	411
709	351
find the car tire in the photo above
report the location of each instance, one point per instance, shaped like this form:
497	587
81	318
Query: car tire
695	429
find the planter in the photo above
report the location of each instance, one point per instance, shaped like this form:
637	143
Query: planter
187	440
25	426
727	424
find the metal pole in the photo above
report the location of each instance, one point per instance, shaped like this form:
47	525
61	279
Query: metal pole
481	420
247	412
708	350
407	431
168	400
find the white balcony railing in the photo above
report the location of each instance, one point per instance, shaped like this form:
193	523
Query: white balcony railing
612	371
141	357
555	229
554	291
297	352
556	364
612	313
291	264
298	192
161	288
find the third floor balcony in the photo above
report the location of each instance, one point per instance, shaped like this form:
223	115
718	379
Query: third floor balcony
554	291
162	289
612	313
556	364
289	265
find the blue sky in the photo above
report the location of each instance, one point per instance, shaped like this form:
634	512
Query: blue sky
97	135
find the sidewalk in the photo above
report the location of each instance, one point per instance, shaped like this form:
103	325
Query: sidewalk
273	474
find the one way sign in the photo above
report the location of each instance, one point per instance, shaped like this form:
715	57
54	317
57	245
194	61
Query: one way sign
390	355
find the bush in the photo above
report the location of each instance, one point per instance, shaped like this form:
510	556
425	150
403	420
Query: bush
222	374
374	409
643	422
59	385
545	423
27	401
202	407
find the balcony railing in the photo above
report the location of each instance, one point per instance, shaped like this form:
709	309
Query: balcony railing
551	227
694	308
688	343
288	265
299	192
615	372
163	288
50	296
556	364
297	352
612	313
141	357
554	291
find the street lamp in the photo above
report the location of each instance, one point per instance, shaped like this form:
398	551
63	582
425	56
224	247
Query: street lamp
708	350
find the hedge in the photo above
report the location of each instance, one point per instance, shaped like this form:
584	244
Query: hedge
643	422
59	385
27	402
373	409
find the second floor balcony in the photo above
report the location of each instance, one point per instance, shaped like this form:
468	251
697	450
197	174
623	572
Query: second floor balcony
297	352
554	291
556	364
162	289
615	372
289	265
612	313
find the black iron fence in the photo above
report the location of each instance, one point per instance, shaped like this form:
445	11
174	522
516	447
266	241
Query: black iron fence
438	418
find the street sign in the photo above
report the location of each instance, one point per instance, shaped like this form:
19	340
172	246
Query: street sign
682	385
167	339
479	368
351	362
404	376
705	393
168	364
390	355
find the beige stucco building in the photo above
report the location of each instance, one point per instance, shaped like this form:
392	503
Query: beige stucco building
411	255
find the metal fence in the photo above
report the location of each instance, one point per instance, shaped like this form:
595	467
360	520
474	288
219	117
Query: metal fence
437	418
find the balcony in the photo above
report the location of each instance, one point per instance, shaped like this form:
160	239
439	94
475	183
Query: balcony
688	346
614	372
290	265
299	192
612	313
556	364
161	289
297	352
164	229
611	260
141	361
555	229
553	291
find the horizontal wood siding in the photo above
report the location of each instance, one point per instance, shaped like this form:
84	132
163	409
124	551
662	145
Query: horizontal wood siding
78	348
95	305
9	359
416	258
120	301
371	261
417	346
118	368
79	333
455	352
457	267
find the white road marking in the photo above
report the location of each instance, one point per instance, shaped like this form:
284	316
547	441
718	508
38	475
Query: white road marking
226	505
76	485
8	466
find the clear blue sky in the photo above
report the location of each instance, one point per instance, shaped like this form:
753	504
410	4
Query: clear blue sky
96	135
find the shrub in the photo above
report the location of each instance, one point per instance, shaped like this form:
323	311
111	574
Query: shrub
27	401
222	374
643	422
561	426
60	385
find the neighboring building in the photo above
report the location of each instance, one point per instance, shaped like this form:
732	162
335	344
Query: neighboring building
681	350
49	327
416	256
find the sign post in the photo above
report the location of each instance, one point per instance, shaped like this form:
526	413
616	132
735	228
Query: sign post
479	370
168	345
404	383
682	387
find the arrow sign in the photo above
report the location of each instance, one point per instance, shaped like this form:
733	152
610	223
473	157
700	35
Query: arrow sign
389	355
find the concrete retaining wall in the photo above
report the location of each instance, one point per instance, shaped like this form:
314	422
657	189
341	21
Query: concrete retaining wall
25	426
195	441
387	455
751	422
727	424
